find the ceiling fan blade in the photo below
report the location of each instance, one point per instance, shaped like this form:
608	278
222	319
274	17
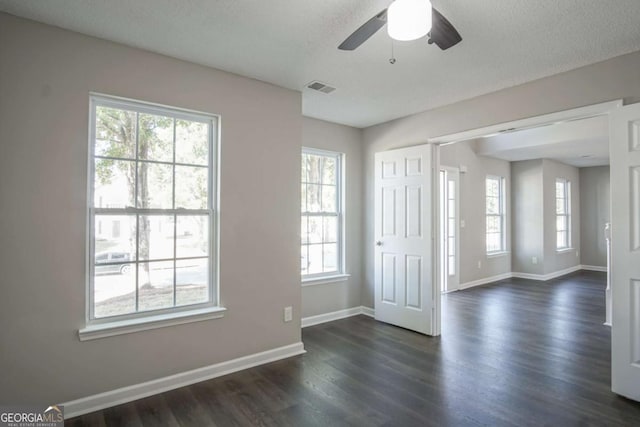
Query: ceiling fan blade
363	33
442	32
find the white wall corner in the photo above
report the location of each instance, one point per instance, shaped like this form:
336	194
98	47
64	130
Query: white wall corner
122	395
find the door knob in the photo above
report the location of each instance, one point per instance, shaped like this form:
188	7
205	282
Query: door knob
378	243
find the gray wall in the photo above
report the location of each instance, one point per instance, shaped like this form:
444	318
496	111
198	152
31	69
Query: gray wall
46	75
472	202
534	216
527	223
613	79
595	208
555	260
326	298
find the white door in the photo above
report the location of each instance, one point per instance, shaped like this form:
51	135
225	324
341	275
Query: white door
404	279
625	250
449	229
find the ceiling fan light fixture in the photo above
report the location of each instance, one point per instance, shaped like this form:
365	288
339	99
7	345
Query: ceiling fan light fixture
409	19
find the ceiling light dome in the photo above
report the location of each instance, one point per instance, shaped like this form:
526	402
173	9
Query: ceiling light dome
409	19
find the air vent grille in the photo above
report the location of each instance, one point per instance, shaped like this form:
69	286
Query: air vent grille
320	87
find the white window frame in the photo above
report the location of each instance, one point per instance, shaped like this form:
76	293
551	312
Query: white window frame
136	321
340	273
501	215
566	201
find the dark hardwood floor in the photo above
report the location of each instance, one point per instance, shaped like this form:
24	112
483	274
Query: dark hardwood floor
517	352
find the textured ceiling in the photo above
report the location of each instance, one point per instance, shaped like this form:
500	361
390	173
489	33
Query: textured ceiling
292	42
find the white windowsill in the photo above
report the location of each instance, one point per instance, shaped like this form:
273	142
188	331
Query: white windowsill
325	280
565	250
103	330
498	254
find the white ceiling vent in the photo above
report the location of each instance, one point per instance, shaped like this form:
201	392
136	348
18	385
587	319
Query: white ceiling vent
320	87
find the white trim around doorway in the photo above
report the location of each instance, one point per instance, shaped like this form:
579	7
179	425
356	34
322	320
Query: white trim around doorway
531	122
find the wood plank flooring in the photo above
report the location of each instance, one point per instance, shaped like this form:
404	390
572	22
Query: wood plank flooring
514	353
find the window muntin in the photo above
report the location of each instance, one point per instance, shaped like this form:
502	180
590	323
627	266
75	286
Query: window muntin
563	213
495	215
321	214
151	218
451	226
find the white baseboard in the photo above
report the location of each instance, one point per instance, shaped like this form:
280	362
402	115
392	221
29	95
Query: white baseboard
330	317
336	315
485	281
594	268
137	391
530	276
367	311
548	276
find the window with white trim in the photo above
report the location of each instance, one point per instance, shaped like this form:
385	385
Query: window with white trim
495	215
563	213
322	229
152	194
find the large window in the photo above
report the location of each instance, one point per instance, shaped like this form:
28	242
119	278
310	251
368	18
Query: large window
151	214
322	216
563	214
495	210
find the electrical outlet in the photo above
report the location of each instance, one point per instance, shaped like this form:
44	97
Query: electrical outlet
479	264
534	260
462	223
577	254
288	314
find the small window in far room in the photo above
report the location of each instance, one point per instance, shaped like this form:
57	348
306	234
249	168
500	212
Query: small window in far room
563	213
322	229
495	215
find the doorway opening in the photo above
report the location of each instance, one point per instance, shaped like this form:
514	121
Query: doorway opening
483	142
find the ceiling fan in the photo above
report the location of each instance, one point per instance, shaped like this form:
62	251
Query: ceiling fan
407	20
